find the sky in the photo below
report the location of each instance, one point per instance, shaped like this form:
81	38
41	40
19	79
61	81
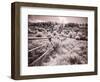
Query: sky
59	19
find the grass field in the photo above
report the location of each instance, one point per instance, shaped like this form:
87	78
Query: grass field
67	52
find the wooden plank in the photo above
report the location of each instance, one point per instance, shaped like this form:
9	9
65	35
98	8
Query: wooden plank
36	38
36	48
46	53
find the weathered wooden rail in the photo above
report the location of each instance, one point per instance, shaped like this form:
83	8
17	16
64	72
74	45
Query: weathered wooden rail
43	55
36	48
36	38
46	53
